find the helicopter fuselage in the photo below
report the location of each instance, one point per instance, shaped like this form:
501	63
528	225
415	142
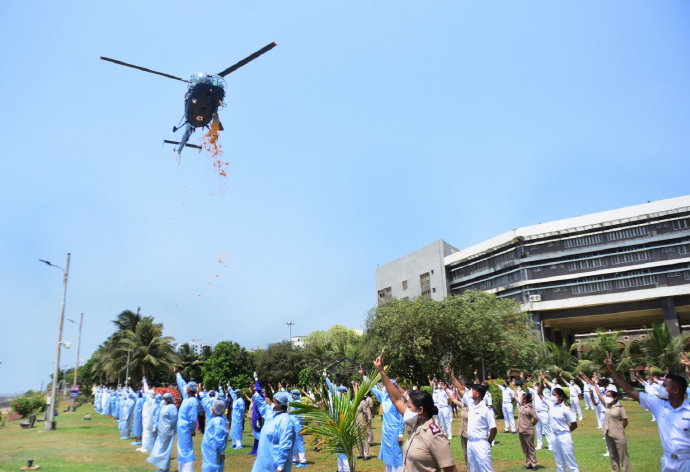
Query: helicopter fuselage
204	96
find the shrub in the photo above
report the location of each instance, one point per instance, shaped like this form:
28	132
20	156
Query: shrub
28	403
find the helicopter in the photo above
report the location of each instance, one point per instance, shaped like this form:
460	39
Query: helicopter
205	93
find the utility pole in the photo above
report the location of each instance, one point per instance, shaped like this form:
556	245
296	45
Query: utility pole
50	419
76	365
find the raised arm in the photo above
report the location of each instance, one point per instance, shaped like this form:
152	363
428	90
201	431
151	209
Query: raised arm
632	393
181	384
393	393
594	388
456	382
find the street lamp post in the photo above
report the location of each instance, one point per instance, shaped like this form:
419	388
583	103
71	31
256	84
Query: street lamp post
290	324
50	420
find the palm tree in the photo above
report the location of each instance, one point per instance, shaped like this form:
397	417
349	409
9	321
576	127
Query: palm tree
190	362
606	341
151	352
658	349
333	419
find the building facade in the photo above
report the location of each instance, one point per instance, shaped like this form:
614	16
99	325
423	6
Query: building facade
419	274
618	269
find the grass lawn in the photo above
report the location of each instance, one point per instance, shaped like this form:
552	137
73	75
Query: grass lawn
79	445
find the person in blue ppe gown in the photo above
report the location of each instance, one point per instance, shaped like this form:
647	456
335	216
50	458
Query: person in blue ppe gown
215	439
333	391
137	425
392	431
237	418
108	409
147	421
155	416
127	415
186	424
207	400
257	419
277	435
165	434
117	404
299	453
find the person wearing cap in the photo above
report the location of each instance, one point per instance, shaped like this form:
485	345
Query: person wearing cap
364	417
186	423
562	421
299	453
237	417
257	419
427	449
138	426
215	439
392	429
207	400
672	416
164	429
277	438
127	415
481	426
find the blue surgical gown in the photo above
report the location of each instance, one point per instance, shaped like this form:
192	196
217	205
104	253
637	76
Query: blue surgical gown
392	427
126	418
165	434
276	442
186	424
237	417
138	426
213	445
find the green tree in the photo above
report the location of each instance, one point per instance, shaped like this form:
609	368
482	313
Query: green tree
231	363
281	362
658	349
151	354
332	345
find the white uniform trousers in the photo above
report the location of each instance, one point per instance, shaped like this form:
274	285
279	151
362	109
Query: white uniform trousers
563	452
669	464
479	455
575	407
508	417
186	467
445	416
588	401
601	415
544	429
392	468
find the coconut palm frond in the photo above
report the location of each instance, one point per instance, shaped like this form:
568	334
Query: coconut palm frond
333	419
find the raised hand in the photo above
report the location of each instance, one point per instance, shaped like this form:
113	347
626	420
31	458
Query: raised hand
684	359
361	370
378	362
448	371
609	360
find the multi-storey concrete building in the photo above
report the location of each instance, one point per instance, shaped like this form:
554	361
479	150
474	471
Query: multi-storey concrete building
618	269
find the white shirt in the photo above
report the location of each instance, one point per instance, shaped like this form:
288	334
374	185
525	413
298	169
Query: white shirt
440	398
540	406
574	390
507	394
488	399
480	420
561	416
673	424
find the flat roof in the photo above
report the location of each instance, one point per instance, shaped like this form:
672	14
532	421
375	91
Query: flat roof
575	224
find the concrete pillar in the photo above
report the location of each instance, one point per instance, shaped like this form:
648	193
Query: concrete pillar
670	316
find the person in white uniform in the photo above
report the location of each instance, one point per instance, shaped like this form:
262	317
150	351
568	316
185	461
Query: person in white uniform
445	413
563	421
542	406
507	397
672	416
585	394
481	426
575	392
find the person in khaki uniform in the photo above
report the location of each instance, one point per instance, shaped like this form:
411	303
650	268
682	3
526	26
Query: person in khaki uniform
364	416
427	449
527	418
615	422
370	429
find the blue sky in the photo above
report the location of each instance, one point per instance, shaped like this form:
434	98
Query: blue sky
373	129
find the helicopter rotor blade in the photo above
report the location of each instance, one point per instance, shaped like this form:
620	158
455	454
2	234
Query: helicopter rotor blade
247	59
115	61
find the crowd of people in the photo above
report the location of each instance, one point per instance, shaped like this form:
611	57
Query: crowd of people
416	425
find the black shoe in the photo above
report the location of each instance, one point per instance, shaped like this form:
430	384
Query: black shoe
367	458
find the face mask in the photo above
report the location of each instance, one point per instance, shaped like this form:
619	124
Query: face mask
410	418
608	400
